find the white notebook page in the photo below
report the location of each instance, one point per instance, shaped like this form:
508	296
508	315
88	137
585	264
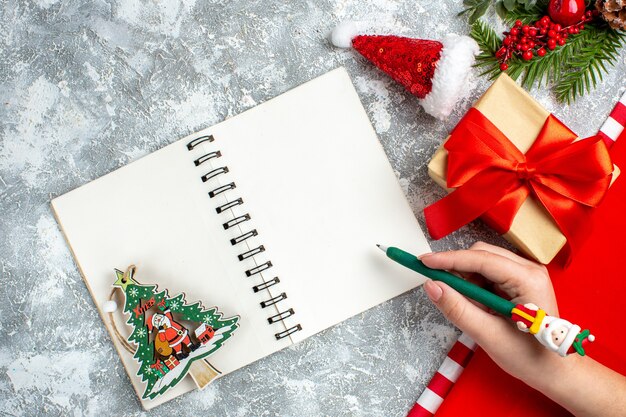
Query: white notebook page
319	190
321	193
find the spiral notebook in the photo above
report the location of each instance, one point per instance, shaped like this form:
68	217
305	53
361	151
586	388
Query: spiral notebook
289	197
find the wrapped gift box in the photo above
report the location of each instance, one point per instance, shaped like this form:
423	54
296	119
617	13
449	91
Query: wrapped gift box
519	117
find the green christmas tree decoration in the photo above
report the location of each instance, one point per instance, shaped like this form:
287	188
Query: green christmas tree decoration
162	332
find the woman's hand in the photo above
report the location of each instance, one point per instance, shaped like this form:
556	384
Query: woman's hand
580	384
518	279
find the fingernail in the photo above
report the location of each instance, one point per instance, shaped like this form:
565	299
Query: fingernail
433	291
424	255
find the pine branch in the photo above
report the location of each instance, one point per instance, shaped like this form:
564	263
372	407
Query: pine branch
475	8
489	42
549	68
574	68
587	67
525	14
486	37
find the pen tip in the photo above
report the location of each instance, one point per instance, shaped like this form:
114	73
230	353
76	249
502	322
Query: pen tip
382	248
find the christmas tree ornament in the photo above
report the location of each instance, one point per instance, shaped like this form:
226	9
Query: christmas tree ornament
170	338
436	72
566	12
613	11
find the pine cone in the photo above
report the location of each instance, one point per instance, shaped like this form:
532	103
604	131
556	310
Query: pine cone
614	12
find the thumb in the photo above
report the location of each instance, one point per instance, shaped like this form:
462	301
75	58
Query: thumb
477	323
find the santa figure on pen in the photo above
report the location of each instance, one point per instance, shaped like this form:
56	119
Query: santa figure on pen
556	334
172	332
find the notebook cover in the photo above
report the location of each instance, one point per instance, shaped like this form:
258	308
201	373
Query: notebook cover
588	292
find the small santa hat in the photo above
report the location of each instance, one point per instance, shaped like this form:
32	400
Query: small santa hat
436	72
580	342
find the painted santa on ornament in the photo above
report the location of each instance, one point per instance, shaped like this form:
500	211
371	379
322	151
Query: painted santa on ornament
556	334
172	333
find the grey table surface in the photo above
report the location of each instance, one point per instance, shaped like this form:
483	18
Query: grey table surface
89	86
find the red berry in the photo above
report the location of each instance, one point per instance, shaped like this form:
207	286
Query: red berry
504	67
551	34
565	35
515	31
543	31
527	56
541	52
545	20
557	28
588	14
525	29
576	31
551	44
531	44
532	32
560	41
525	47
518	23
581	26
507	41
518	46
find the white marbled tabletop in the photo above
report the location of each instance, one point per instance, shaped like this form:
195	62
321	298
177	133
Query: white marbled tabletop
89	86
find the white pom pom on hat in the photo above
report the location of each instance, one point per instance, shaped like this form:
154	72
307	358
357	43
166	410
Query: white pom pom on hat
436	72
343	33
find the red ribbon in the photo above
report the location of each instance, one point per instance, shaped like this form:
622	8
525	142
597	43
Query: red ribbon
493	178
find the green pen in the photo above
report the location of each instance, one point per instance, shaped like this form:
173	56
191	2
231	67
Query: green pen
554	333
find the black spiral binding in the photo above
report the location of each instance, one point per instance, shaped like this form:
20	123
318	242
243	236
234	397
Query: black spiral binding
243	237
206	157
198	141
266	284
229	205
220	190
236	221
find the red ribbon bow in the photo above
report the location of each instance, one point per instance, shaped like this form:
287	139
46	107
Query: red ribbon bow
493	178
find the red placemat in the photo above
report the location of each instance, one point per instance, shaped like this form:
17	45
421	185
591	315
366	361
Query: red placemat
588	292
